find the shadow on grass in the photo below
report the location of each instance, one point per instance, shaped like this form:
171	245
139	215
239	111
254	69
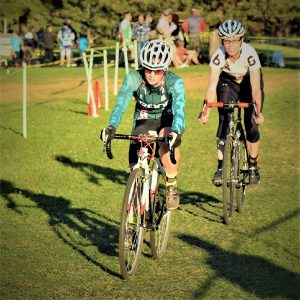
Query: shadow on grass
254	274
116	176
205	203
77	112
68	89
80	228
12	130
271	226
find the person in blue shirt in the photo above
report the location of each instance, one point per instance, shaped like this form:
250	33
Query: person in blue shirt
160	102
83	44
16	46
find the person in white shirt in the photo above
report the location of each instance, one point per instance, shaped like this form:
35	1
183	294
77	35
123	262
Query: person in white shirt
66	38
235	74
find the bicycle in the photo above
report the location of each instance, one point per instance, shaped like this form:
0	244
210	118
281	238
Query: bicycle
235	160
143	206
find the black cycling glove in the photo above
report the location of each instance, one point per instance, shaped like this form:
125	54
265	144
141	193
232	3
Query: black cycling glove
174	140
107	134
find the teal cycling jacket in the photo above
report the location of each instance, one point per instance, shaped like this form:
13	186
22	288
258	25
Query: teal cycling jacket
151	102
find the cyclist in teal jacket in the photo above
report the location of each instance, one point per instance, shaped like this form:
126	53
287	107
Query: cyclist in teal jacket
160	102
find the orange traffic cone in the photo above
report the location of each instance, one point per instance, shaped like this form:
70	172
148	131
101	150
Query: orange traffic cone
97	93
93	109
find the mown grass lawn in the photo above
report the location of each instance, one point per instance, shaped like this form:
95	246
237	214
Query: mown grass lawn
61	199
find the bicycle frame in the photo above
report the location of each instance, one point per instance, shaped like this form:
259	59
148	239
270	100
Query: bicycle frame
143	205
236	131
145	162
235	128
235	152
152	166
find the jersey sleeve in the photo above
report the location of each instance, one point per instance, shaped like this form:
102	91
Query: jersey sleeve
131	83
217	60
253	59
178	104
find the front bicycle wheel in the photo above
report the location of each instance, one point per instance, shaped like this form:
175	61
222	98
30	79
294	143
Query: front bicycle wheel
242	175
131	229
161	220
228	186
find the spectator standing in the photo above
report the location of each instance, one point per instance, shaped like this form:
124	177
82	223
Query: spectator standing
68	21
126	34
165	27
30	43
177	32
16	45
83	44
66	38
149	22
192	28
48	42
140	33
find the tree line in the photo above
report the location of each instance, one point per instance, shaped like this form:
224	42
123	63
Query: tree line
263	18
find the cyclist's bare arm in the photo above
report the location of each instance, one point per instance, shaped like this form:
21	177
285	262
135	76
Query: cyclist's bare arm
256	94
210	93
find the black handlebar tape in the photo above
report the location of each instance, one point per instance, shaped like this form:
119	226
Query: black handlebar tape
108	150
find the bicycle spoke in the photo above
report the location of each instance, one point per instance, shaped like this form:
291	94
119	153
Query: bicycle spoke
161	221
131	230
242	175
228	181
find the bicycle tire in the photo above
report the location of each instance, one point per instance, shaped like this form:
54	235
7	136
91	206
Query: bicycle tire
161	220
242	172
131	230
228	185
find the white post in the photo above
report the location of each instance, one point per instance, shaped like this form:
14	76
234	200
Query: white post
90	86
105	79
91	63
126	59
91	91
24	100
116	69
136	59
86	67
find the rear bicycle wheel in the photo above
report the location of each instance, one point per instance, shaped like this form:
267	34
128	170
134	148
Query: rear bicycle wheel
242	175
131	229
228	186
161	220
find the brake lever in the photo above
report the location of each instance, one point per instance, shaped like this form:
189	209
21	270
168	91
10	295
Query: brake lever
172	152
172	156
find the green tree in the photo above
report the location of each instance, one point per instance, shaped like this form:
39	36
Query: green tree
264	17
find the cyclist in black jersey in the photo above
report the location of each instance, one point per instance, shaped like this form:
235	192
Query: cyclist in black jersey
236	75
159	107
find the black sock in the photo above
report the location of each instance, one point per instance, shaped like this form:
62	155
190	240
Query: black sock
253	160
220	163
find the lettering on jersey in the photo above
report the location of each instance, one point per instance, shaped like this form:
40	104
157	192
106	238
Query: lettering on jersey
251	61
227	67
143	115
216	60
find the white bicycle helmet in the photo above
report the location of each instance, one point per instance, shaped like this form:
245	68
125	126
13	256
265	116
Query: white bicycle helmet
230	29
156	55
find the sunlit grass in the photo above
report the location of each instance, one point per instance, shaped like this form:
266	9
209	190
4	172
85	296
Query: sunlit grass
61	199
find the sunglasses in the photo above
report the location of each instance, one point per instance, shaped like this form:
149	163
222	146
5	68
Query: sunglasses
234	42
156	72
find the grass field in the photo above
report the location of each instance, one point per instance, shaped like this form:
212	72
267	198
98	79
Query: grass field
61	199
